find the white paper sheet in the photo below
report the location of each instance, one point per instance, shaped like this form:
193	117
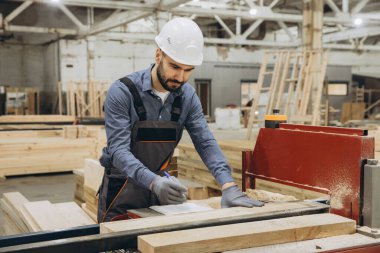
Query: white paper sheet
181	208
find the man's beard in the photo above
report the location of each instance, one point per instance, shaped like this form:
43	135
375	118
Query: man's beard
164	82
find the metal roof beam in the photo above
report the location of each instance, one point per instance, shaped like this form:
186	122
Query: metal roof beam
333	6
221	22
125	5
72	17
285	28
34	29
17	11
118	20
351	34
359	6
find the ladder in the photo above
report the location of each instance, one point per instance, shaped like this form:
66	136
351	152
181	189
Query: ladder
289	84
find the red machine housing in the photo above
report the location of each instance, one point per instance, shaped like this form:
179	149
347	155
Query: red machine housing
329	160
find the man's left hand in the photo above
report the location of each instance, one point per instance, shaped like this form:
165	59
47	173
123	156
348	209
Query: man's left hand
233	196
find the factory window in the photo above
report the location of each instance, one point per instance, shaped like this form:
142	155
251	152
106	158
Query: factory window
203	88
247	91
337	89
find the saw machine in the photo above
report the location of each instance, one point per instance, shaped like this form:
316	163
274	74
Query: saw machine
338	162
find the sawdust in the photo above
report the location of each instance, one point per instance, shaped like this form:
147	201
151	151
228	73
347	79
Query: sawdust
267	196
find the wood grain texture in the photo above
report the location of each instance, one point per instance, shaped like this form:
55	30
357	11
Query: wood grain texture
246	235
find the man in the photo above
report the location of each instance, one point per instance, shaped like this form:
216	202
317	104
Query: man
145	114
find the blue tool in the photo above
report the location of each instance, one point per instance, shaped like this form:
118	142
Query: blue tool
166	174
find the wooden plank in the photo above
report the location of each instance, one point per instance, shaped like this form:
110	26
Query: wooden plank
43	214
72	215
213	215
8	227
15	199
93	174
30	134
37	119
91	214
247	235
13	217
29	221
316	245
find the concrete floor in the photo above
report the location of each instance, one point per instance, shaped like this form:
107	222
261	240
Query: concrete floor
56	188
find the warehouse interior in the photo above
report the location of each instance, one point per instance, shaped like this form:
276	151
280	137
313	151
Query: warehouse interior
290	91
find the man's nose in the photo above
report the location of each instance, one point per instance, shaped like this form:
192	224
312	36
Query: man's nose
179	76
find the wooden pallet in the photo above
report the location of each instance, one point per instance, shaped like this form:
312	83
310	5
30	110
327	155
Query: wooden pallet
86	98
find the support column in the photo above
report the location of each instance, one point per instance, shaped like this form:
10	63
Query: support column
90	57
312	40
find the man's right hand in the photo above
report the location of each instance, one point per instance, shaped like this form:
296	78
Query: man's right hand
169	190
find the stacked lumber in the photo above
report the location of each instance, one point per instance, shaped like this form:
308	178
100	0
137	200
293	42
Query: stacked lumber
93	175
22	216
37	119
97	133
376	133
86	98
248	234
352	111
10	206
27	127
79	182
30	134
21	156
191	166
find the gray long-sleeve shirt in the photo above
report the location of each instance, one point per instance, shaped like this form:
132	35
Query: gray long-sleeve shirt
120	117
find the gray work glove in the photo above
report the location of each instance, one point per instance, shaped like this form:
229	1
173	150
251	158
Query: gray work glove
169	190
233	196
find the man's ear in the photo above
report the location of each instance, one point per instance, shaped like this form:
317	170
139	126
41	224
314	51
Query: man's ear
158	55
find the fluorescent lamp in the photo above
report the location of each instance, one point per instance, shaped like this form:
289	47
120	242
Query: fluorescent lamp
253	11
358	21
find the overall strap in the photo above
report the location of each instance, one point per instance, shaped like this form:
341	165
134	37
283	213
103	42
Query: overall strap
176	108
137	101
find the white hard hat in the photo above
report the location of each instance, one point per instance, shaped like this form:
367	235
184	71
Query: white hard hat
182	40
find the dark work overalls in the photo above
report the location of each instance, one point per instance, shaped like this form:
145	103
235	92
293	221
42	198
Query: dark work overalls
152	143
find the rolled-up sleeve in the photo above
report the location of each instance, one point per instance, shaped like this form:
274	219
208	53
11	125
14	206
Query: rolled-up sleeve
117	111
205	143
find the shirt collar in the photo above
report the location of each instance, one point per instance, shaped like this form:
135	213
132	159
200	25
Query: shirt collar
147	82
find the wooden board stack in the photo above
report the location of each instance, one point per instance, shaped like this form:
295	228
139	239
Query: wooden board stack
21	156
22	216
93	175
33	151
191	166
352	111
79	182
40	119
10	206
375	133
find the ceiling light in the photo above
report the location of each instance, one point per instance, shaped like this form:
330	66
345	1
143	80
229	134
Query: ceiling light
55	1
253	11
358	21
